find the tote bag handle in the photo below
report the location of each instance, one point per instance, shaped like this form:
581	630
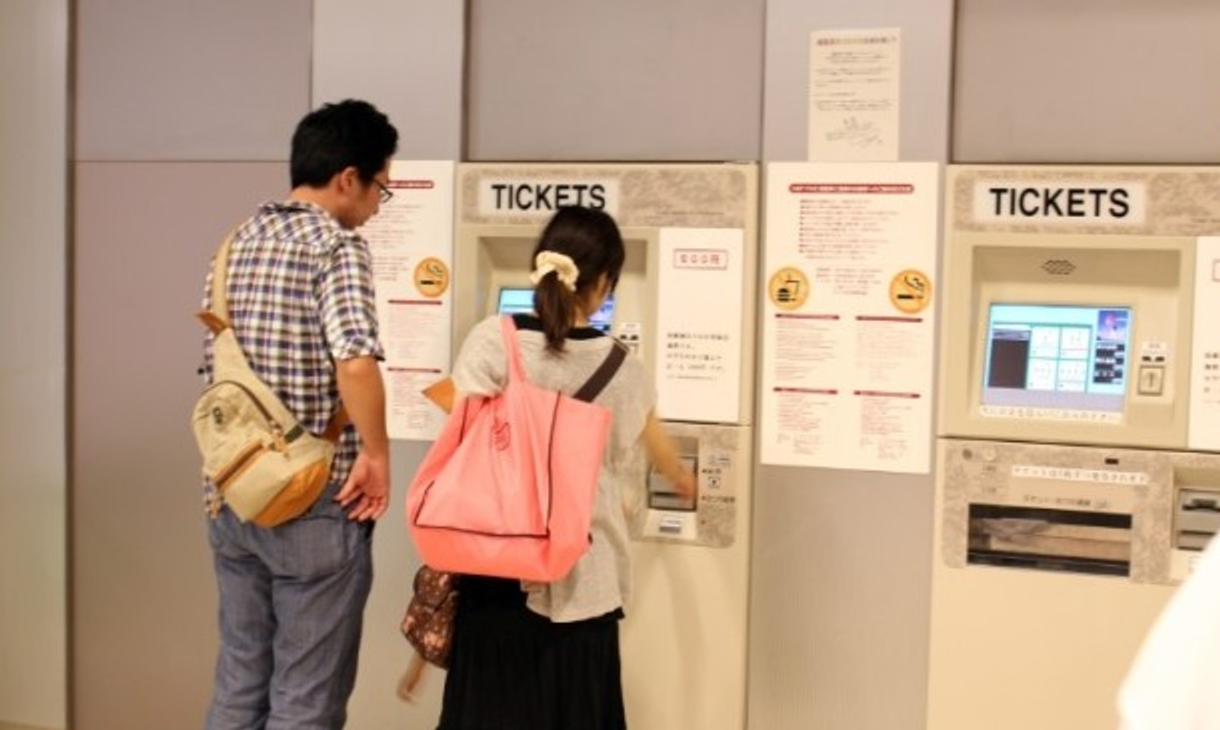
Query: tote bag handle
594	385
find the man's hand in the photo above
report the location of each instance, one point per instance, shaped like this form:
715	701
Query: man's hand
366	493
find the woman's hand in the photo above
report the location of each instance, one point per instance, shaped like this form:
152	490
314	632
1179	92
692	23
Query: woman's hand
411	678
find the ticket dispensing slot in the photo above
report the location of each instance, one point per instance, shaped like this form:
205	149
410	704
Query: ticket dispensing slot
1050	539
1197	518
664	498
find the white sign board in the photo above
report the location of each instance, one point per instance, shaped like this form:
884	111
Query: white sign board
411	239
1204	429
854	95
849	316
699	312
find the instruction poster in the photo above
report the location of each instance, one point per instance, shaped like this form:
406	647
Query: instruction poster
849	324
698	353
854	94
1204	433
411	240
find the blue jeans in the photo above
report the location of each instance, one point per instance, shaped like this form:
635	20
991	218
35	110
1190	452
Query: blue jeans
291	610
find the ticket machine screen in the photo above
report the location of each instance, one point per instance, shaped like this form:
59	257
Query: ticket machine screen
515	300
1061	356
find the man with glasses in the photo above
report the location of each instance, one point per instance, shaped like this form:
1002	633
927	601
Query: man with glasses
384	193
300	297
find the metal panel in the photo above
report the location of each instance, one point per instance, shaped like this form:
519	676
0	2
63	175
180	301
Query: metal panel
927	42
1107	81
839	591
144	609
144	601
839	578
678	80
404	56
182	80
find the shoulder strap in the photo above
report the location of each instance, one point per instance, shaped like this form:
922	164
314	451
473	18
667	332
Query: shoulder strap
508	332
596	382
601	377
220	269
217	318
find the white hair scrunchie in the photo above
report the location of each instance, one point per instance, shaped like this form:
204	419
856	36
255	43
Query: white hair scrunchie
563	266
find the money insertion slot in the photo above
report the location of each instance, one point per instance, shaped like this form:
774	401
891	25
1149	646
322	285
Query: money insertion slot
1197	519
1050	539
662	495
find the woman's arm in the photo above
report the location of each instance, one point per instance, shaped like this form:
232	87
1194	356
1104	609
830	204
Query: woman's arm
663	453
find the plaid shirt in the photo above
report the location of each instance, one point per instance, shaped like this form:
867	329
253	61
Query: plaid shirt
300	296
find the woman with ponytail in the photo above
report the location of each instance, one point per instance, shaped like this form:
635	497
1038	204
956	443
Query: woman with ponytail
546	656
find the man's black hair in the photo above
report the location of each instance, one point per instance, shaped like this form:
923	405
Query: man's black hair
350	133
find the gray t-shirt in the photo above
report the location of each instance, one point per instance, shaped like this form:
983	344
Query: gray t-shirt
600	581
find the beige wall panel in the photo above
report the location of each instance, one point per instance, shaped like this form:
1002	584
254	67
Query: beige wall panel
144	598
33	272
184	80
404	56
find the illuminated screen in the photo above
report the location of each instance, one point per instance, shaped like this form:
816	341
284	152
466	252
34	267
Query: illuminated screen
516	300
604	316
1057	356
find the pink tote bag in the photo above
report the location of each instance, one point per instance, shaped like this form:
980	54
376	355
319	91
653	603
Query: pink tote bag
508	487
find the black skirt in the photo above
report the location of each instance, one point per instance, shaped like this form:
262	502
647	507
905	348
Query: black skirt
511	669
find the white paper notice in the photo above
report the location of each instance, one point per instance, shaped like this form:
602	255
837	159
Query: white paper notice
848	321
699	311
412	245
854	95
1204	433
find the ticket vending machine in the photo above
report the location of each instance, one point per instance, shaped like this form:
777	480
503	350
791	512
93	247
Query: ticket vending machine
685	306
1077	473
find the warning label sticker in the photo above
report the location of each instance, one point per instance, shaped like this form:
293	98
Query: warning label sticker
432	277
910	291
788	288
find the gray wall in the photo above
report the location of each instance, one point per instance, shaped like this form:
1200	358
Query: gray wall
677	80
178	135
167	159
1087	81
840	573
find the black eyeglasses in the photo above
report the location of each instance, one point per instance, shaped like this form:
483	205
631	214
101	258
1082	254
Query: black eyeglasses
384	192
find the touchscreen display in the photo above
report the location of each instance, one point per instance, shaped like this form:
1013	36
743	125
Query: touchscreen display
1067	357
604	317
516	300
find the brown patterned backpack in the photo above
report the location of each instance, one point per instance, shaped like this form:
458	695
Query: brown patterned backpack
428	623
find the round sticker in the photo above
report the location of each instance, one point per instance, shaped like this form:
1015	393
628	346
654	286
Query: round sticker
788	288
431	277
910	291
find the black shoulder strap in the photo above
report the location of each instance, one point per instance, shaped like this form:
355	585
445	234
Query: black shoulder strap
601	377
